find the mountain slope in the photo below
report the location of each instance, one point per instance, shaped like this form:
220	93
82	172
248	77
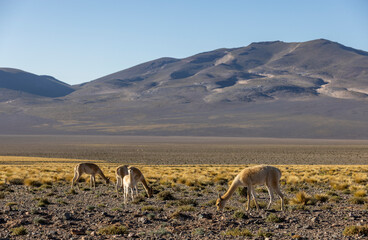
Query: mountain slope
260	71
314	89
45	86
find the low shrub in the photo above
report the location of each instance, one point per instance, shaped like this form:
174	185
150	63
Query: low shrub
273	218
321	197
43	202
31	182
186	208
151	208
165	195
90	208
16	181
186	201
358	200
19	231
302	198
339	186
240	215
113	230
356	230
360	193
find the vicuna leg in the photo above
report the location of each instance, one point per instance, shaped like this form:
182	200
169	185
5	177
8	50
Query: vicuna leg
76	178
271	197
118	185
277	189
248	197
254	198
132	193
125	194
93	181
270	192
136	190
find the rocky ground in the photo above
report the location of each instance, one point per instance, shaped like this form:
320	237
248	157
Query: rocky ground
179	212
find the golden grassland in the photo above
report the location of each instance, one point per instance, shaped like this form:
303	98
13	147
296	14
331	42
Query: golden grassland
31	170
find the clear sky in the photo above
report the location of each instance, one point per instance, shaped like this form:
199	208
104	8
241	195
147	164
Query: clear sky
78	41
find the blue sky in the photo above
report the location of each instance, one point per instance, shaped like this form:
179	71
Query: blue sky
78	41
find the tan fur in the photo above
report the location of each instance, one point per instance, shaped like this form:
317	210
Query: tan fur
248	177
129	183
88	168
122	171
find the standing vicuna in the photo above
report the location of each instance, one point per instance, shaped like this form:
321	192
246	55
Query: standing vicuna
129	183
121	171
254	176
88	168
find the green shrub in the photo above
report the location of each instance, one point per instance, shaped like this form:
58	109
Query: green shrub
113	230
199	232
90	208
165	195
151	208
262	233
240	215
273	218
43	202
187	201
356	230
186	208
18	231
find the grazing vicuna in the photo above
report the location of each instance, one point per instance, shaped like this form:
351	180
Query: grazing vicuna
129	183
88	168
137	175
251	176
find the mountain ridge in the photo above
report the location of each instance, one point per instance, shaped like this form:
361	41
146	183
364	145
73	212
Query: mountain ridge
313	89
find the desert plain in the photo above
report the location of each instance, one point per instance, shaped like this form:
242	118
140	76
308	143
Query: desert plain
325	183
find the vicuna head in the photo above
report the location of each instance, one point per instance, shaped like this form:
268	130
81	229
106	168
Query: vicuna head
220	203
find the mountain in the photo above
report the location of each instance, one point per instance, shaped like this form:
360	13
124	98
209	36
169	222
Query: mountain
266	70
19	81
314	89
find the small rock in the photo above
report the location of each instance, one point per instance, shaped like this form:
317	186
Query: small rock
143	220
278	226
78	231
314	220
67	216
132	235
205	216
307	227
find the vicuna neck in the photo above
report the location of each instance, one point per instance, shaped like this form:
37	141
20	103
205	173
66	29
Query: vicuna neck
230	191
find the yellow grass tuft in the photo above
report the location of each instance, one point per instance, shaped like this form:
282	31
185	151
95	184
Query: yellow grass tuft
360	193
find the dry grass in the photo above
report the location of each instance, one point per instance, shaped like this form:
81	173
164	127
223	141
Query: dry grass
28	171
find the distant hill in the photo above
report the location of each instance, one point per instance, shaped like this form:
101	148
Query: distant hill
260	71
314	89
20	81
